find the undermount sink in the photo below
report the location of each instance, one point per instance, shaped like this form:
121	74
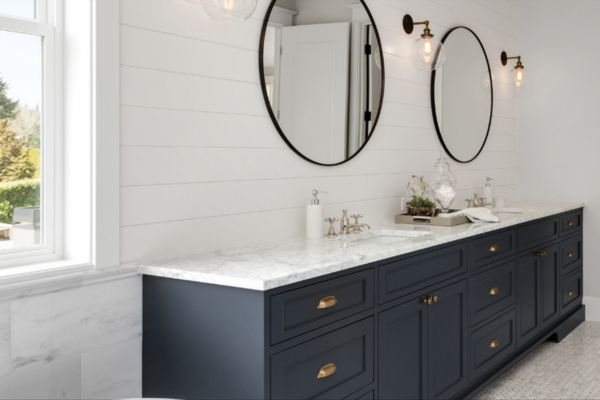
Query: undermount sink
389	236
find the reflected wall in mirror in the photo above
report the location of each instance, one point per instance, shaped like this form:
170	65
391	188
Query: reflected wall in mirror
462	96
322	76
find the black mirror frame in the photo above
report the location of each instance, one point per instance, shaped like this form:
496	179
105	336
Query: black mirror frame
433	109
268	104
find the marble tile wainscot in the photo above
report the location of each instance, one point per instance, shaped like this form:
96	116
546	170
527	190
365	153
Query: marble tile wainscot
71	335
435	316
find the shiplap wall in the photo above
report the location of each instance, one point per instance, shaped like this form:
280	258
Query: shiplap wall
202	166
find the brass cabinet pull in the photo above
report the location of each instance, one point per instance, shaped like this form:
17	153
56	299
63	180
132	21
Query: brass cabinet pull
431	300
326	371
327	302
494	291
571	293
494	344
541	254
494	248
571	254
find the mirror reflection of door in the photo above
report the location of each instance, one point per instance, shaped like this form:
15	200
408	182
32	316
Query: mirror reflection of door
323	76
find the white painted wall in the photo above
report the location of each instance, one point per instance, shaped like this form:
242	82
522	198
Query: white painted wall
558	114
202	166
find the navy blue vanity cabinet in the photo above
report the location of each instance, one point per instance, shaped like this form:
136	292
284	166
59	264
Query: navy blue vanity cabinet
439	323
423	346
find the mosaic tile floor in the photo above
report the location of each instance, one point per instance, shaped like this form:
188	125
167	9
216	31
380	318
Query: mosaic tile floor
567	370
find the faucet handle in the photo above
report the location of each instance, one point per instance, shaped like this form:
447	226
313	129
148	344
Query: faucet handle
356	217
332	221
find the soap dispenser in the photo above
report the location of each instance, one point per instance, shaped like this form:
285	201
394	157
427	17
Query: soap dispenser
488	195
314	217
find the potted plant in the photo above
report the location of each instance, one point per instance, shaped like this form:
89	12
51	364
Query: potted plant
420	202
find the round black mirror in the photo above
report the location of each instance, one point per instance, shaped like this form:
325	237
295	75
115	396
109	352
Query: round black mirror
462	96
322	76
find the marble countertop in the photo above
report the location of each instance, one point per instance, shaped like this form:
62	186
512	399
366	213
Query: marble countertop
268	267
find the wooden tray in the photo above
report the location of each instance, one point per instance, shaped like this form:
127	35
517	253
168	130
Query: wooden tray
437	221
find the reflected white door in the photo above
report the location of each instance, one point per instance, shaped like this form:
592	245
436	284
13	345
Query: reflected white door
314	89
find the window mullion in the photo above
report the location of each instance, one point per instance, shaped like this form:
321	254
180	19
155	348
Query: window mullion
24	26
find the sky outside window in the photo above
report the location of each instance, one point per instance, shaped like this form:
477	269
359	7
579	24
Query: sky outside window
18	8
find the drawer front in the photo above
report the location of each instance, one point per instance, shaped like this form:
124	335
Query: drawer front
571	222
492	344
571	292
492	292
301	310
334	365
407	275
571	254
537	233
491	248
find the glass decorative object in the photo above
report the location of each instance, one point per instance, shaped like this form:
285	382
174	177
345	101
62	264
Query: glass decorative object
444	184
228	10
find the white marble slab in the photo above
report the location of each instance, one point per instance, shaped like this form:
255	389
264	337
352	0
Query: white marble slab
282	264
113	372
70	322
56	380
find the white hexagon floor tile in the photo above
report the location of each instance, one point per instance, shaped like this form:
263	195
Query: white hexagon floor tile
566	370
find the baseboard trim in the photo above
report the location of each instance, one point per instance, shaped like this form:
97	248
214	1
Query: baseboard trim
592	306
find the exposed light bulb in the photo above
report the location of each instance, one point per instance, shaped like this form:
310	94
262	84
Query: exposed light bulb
519	77
229	5
427	51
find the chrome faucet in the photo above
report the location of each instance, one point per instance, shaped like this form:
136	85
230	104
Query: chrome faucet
346	227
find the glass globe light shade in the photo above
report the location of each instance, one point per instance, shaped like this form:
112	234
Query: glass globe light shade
228	10
444	184
430	53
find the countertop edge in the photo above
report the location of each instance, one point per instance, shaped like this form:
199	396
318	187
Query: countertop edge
266	284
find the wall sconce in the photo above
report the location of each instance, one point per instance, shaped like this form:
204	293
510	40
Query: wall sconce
519	67
430	54
228	10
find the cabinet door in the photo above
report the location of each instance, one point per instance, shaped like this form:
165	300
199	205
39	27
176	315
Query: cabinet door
448	342
528	306
549	285
403	351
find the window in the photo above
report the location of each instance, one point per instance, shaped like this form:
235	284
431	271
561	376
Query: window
28	130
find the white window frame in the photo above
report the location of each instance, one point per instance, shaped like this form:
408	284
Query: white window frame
82	81
47	26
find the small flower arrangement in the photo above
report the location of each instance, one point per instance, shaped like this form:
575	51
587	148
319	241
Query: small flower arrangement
420	202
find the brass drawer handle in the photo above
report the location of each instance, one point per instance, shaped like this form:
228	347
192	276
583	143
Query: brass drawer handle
541	254
494	248
431	300
571	293
494	291
494	344
327	302
571	254
326	371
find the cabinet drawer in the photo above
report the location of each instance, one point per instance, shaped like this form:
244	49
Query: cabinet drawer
334	365
407	275
571	222
571	291
492	291
491	344
301	310
571	254
491	248
537	233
